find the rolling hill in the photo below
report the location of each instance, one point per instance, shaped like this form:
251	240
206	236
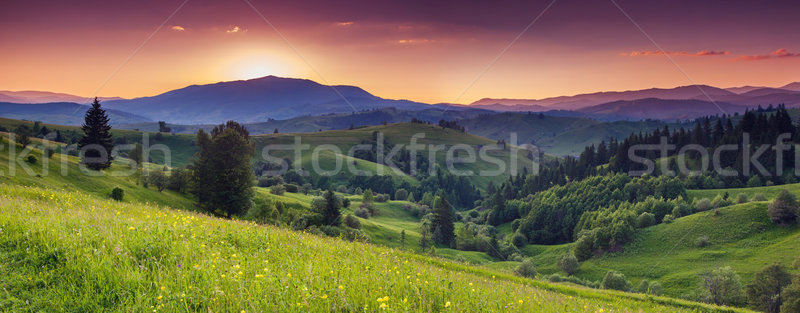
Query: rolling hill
64	113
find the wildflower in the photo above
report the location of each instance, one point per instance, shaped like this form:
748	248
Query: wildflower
162	288
131	228
289	275
159	297
323	297
447	304
341	287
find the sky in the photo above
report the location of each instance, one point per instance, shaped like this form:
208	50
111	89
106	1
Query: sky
428	51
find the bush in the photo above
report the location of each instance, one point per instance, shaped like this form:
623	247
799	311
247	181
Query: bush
158	179
31	159
741	198
615	281
381	197
720	201
401	194
791	296
277	190
519	240
646	220
721	287
702	205
754	181
362	213
784	209
49	152
352	222
526	269
291	188
759	197
117	194
568	263
668	219
655	289
701	241
644	285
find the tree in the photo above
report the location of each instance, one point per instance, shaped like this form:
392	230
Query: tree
222	176
157	179
178	180
411	197
722	287
401	194
23	135
137	154
764	293
368	197
330	211
568	263
791	296
96	143
163	128
526	269
403	239
784	209
443	221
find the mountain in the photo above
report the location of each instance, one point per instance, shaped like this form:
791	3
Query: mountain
793	86
64	113
662	109
256	100
30	96
743	89
586	100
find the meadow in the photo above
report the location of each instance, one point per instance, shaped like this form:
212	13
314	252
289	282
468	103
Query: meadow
63	250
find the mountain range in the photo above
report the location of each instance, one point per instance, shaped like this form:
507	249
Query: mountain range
270	99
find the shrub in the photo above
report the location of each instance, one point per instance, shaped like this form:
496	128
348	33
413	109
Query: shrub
668	219
644	285
362	213
646	220
31	159
702	205
655	289
555	278
158	179
701	241
721	287
117	194
49	152
341	189
277	190
291	188
568	263
754	181
791	296
526	269
720	201
741	198
519	240
381	197
615	281
784	209
759	197
401	194
352	222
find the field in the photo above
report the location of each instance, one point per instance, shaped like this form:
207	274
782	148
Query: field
71	250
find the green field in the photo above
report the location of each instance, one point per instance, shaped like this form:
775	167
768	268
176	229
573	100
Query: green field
71	250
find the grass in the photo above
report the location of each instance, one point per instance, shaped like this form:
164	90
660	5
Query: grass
741	236
770	192
69	250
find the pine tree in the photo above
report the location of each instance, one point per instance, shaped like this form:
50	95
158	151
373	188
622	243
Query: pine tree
23	135
443	221
331	213
96	138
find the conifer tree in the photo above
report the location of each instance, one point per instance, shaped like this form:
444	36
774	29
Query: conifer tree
96	144
443	221
331	213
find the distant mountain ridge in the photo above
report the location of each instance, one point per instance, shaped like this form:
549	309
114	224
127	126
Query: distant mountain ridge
64	113
256	100
31	96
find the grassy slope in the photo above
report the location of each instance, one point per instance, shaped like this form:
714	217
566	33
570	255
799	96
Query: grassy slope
769	192
47	173
394	134
70	250
741	237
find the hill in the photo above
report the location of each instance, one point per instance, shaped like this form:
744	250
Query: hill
64	113
30	96
256	100
76	251
661	109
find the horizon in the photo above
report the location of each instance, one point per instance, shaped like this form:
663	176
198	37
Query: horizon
442	53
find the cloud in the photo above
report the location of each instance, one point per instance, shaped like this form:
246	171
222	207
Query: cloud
679	53
345	24
413	41
777	54
235	29
177	28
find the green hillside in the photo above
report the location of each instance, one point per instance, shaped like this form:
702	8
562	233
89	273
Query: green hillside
72	250
395	134
741	236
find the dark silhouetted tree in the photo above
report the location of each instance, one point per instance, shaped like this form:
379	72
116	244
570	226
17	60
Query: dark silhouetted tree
96	144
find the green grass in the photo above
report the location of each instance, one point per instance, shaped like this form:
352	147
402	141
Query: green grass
741	237
62	172
769	192
71	251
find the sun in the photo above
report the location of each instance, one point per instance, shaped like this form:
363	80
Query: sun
254	68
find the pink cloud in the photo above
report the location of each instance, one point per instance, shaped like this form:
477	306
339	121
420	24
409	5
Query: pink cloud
780	53
679	53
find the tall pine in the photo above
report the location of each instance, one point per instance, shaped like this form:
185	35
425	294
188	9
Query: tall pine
96	144
443	222
331	213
